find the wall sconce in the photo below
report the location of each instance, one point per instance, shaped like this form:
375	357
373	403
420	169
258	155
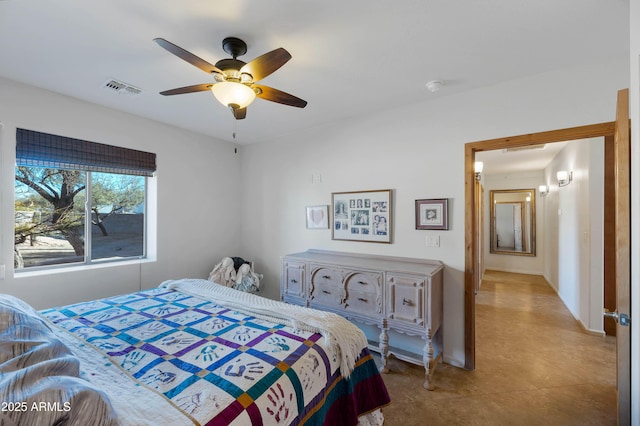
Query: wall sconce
564	177
478	166
544	190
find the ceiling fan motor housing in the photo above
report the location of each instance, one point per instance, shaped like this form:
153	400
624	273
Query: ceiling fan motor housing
234	46
231	69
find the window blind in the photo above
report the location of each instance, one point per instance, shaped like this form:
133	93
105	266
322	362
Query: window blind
38	149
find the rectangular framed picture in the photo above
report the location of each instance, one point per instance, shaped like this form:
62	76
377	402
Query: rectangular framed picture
432	214
362	216
318	217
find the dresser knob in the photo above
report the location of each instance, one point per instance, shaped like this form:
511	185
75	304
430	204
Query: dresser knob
294	281
362	299
326	277
406	302
326	292
362	282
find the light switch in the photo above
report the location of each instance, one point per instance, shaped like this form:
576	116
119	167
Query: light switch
433	241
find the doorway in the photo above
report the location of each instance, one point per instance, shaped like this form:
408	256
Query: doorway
472	222
618	133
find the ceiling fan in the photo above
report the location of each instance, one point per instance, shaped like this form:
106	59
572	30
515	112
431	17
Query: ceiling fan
235	80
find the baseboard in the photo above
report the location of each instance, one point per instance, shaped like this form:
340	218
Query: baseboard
452	361
515	271
600	333
591	332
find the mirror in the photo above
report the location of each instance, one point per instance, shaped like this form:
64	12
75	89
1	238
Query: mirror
513	222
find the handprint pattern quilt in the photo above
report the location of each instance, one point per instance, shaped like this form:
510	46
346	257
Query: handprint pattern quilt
219	366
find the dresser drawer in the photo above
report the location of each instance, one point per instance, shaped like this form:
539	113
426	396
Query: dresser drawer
327	295
406	299
364	303
325	276
366	282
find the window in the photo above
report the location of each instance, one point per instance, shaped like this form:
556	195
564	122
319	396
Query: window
78	201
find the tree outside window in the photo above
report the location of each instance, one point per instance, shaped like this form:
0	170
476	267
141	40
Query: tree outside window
76	216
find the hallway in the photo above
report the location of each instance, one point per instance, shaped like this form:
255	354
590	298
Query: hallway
535	365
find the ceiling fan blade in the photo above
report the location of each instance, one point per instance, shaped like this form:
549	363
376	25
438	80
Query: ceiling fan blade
264	65
275	95
188	89
239	113
187	56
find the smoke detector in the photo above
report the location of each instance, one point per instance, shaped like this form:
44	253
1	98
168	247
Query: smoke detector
434	85
121	88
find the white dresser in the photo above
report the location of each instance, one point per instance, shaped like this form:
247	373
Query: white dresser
392	293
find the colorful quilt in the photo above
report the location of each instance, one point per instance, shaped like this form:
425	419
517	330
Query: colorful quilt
186	359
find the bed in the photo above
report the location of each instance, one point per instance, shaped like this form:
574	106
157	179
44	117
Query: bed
187	352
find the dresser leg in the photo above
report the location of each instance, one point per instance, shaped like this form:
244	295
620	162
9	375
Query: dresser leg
429	365
384	349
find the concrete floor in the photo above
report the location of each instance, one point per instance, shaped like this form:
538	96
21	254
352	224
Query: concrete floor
535	365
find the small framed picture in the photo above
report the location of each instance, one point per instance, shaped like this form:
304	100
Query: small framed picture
432	214
318	217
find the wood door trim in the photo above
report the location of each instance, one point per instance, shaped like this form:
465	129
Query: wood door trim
471	221
609	234
581	132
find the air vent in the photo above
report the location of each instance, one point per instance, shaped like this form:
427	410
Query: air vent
121	88
523	148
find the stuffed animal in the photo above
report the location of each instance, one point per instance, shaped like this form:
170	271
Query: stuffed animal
237	273
247	280
224	273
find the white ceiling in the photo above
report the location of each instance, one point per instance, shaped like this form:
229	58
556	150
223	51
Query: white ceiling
349	57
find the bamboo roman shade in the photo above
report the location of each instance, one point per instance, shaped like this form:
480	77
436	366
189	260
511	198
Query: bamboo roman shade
36	149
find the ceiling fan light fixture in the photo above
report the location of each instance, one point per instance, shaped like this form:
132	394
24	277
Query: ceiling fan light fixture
232	93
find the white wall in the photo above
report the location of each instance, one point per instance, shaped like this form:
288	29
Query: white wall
505	262
418	152
573	232
634	111
197	202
